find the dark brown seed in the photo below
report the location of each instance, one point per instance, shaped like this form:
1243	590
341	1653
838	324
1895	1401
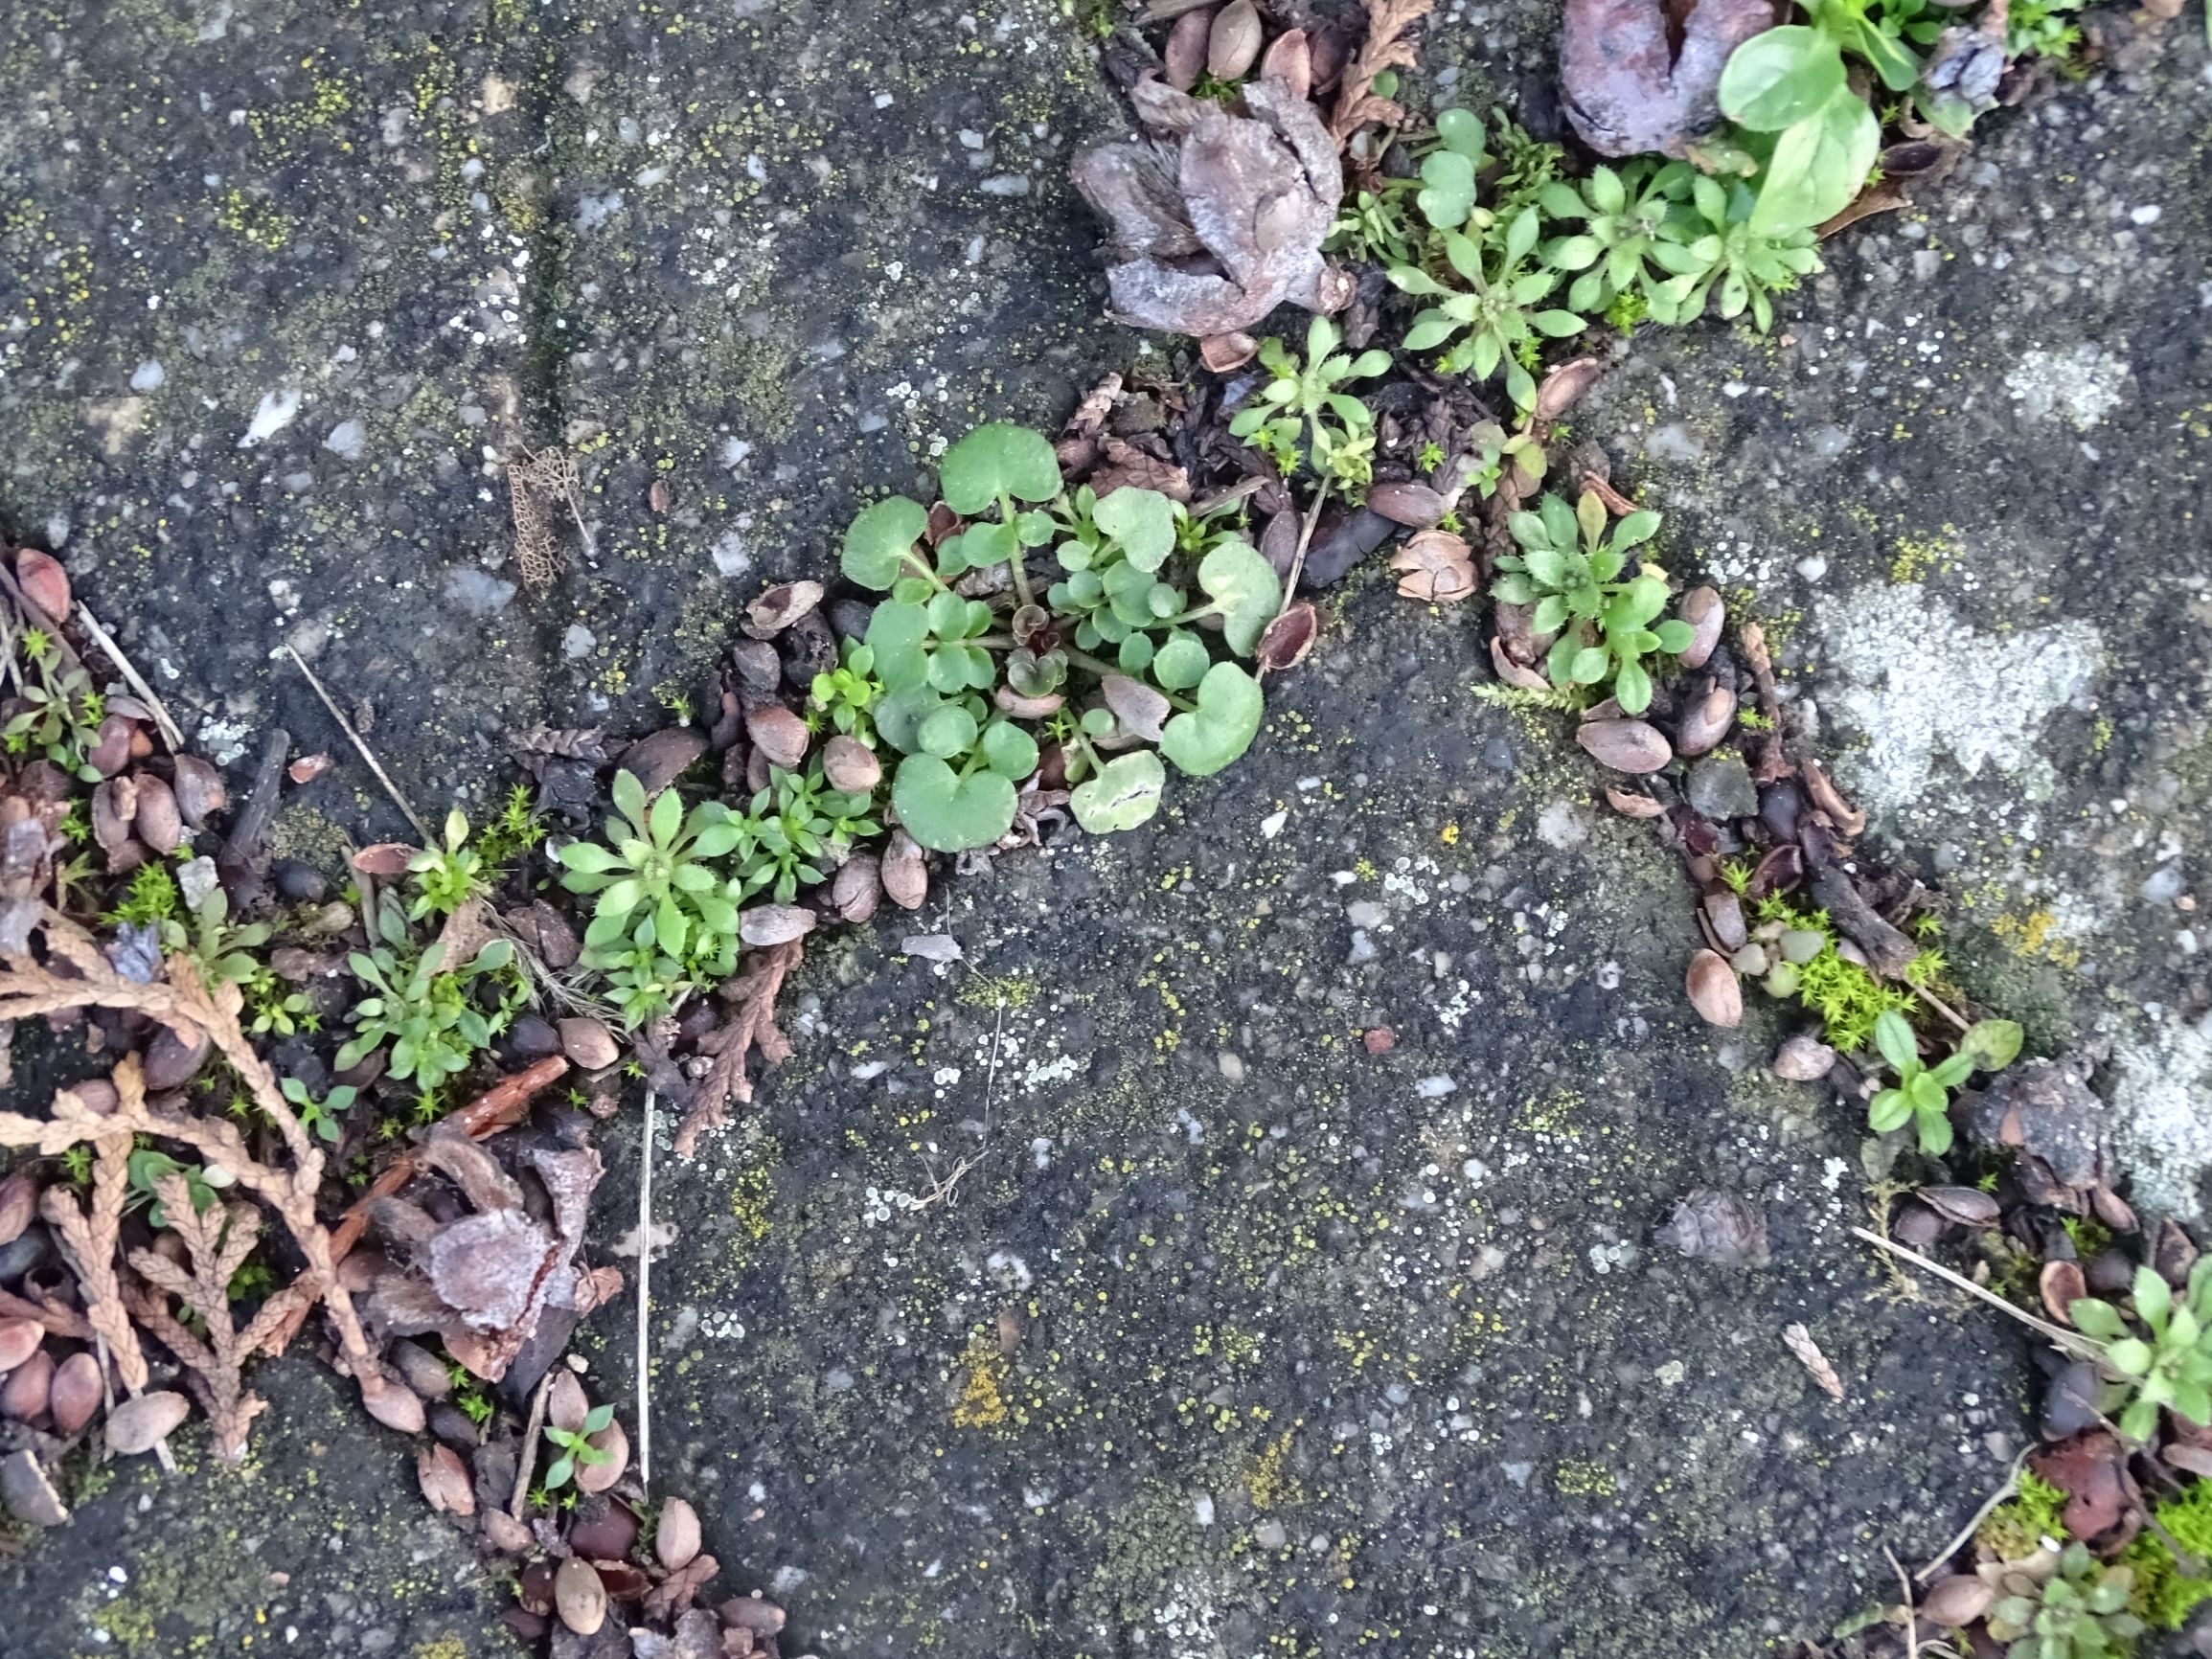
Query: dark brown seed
1285	641
172	1063
1706	722
44	583
1415	505
1233	43
143	1422
1625	745
851	766
110	751
1916	1226
1701	608
2112	1210
2062	1285
778	734
1183	58
394	1404
605	1530
1712	989
199	790
75	1395
1961	1206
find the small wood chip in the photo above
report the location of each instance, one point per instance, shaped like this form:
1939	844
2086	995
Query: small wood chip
1808	1352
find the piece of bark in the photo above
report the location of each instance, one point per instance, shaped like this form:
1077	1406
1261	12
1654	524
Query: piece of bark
1625	86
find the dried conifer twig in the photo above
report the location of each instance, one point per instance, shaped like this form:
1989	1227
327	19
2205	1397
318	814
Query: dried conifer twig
1799	1341
1384	48
753	1026
89	1236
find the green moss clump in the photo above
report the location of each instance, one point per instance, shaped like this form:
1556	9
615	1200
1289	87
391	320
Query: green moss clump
1847	997
2017	1527
2166	1591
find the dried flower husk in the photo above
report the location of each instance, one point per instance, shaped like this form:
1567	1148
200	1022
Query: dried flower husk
1233	43
1712	989
75	1397
851	766
1625	745
677	1540
579	1596
143	1420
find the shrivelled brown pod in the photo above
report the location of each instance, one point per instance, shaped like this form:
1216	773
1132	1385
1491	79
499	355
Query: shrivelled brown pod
1629	803
1956	1601
44	583
580	1598
29	1387
1515	673
444	1481
1224	352
27	1494
1804	1060
778	734
906	876
614	1444
851	766
1706	722
1712	989
1962	1206
1290	59
677	1540
392	1404
199	790
588	1043
110	750
142	1423
18	1204
1183	58
857	888
506	1533
76	1393
114	804
158	822
1403	501
566	1405
1701	608
2062	1285
1625	745
1233	43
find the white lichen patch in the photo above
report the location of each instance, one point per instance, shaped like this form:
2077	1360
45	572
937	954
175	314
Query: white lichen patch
1921	685
2082	386
2161	1130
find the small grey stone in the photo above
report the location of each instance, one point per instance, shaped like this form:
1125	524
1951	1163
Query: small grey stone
147	377
477	591
932	947
1232	1065
347	440
195	879
578	642
1365	913
2164	884
1362	948
1720	786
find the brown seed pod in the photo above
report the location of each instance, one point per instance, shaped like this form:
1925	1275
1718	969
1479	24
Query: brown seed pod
44	583
76	1395
1712	989
1724	916
1804	1060
677	1540
1625	745
778	734
29	1387
566	1405
1961	1206
1513	672
857	888
158	822
1956	1601
849	764
1233	43
1701	608
394	1404
1706	722
766	925
587	1043
199	790
2061	1285
579	1596
1224	352
505	1533
1403	501
1290	59
905	875
1629	803
1183	58
141	1422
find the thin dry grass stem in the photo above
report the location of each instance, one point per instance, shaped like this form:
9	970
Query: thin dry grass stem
171	734
645	1299
1964	1535
361	747
2073	1341
526	1465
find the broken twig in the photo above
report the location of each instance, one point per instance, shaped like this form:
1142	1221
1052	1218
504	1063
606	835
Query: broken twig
354	738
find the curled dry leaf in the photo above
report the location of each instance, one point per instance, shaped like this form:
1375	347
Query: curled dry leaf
1215	218
1290	59
579	1596
676	1592
677	1540
781	606
1714	992
765	924
444	1479
1829	800
2061	1285
658	760
1436	567
1625	745
141	1422
1626	86
1285	641
1385	48
1511	669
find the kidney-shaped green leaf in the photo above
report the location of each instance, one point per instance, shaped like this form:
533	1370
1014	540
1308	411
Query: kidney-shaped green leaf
1000	459
879	539
896	634
1124	794
1223	726
946	812
1142	521
1244	588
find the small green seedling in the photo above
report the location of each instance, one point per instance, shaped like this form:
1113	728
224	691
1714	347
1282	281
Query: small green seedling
656	881
447	874
1290	419
1493	315
1922	1093
2080	1612
576	1447
2173	1368
1568	569
319	1116
430	1016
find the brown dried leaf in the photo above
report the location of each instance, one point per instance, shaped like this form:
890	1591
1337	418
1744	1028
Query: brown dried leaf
1435	567
44	584
1137	706
1090	415
1625	745
676	1539
678	1591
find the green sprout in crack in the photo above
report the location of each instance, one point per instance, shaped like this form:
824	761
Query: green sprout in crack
1921	1096
2170	1368
1301	417
576	1447
1569	570
1490	310
2078	1611
430	1016
62	708
842	698
446	875
319	1116
513	832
